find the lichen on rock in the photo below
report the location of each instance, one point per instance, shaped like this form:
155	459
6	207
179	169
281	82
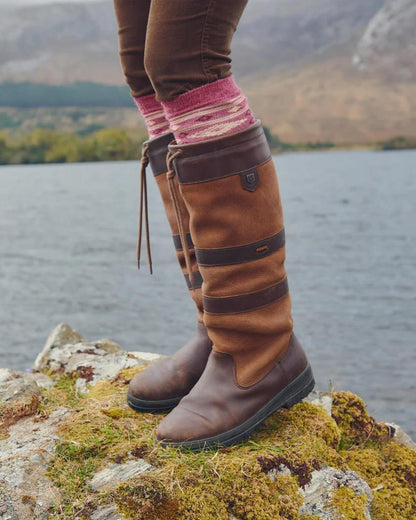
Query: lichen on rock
19	397
81	453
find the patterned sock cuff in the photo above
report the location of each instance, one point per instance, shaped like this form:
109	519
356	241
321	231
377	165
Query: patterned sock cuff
215	109
153	115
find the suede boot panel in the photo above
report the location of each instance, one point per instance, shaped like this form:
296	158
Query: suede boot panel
196	295
224	214
222	281
256	339
162	183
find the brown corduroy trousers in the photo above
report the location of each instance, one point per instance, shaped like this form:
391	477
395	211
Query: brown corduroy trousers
172	46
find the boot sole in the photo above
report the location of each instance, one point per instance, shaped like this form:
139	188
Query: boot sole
141	405
293	393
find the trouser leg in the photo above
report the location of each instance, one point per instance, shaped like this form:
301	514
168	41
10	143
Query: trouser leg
188	43
132	17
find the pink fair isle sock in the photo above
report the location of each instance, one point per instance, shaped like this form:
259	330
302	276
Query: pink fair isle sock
215	109
153	114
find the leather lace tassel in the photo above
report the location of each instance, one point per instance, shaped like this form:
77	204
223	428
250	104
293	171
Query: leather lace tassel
144	206
175	197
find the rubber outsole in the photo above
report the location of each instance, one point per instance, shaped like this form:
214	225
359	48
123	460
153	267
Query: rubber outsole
294	392
141	405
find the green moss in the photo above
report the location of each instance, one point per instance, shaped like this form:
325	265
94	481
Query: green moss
303	420
125	375
211	485
395	498
62	394
354	422
115	413
367	462
186	495
347	505
259	498
390	470
145	498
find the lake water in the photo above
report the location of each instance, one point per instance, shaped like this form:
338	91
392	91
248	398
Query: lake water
67	252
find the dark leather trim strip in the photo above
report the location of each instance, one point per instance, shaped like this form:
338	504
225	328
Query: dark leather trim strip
158	149
221	157
197	283
246	302
178	243
241	254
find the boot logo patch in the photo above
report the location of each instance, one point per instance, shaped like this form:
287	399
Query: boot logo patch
262	249
250	180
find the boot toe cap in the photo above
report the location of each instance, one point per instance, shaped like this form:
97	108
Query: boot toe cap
147	386
182	425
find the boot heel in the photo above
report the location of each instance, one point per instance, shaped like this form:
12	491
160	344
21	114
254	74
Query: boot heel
303	388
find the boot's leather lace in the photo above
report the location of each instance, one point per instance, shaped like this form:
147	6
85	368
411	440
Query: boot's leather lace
144	205
179	217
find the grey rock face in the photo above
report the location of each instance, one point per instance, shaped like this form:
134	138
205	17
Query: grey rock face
26	493
61	336
271	32
18	389
389	40
401	436
20	396
317	494
321	399
282	32
67	352
113	474
106	513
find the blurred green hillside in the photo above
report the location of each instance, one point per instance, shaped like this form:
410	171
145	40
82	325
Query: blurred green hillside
51	146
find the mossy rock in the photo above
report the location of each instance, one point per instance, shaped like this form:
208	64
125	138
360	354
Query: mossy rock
261	479
19	397
354	422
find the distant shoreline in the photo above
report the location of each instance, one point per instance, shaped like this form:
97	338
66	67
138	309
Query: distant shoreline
53	146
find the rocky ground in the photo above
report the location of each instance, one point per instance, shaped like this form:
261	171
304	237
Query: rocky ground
70	448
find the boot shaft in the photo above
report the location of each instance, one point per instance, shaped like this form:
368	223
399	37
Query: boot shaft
156	151
230	189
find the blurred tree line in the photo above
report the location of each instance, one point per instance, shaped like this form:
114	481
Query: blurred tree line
52	146
399	143
44	145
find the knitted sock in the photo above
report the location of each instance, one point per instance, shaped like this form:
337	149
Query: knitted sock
153	114
215	109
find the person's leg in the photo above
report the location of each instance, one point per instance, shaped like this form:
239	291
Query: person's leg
162	385
187	57
230	188
132	17
188	43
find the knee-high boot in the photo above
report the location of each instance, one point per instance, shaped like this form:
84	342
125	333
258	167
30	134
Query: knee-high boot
257	365
161	386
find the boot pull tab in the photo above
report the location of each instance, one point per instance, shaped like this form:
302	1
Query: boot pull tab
179	217
144	205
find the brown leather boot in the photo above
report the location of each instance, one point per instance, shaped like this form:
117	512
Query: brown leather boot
257	365
161	386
